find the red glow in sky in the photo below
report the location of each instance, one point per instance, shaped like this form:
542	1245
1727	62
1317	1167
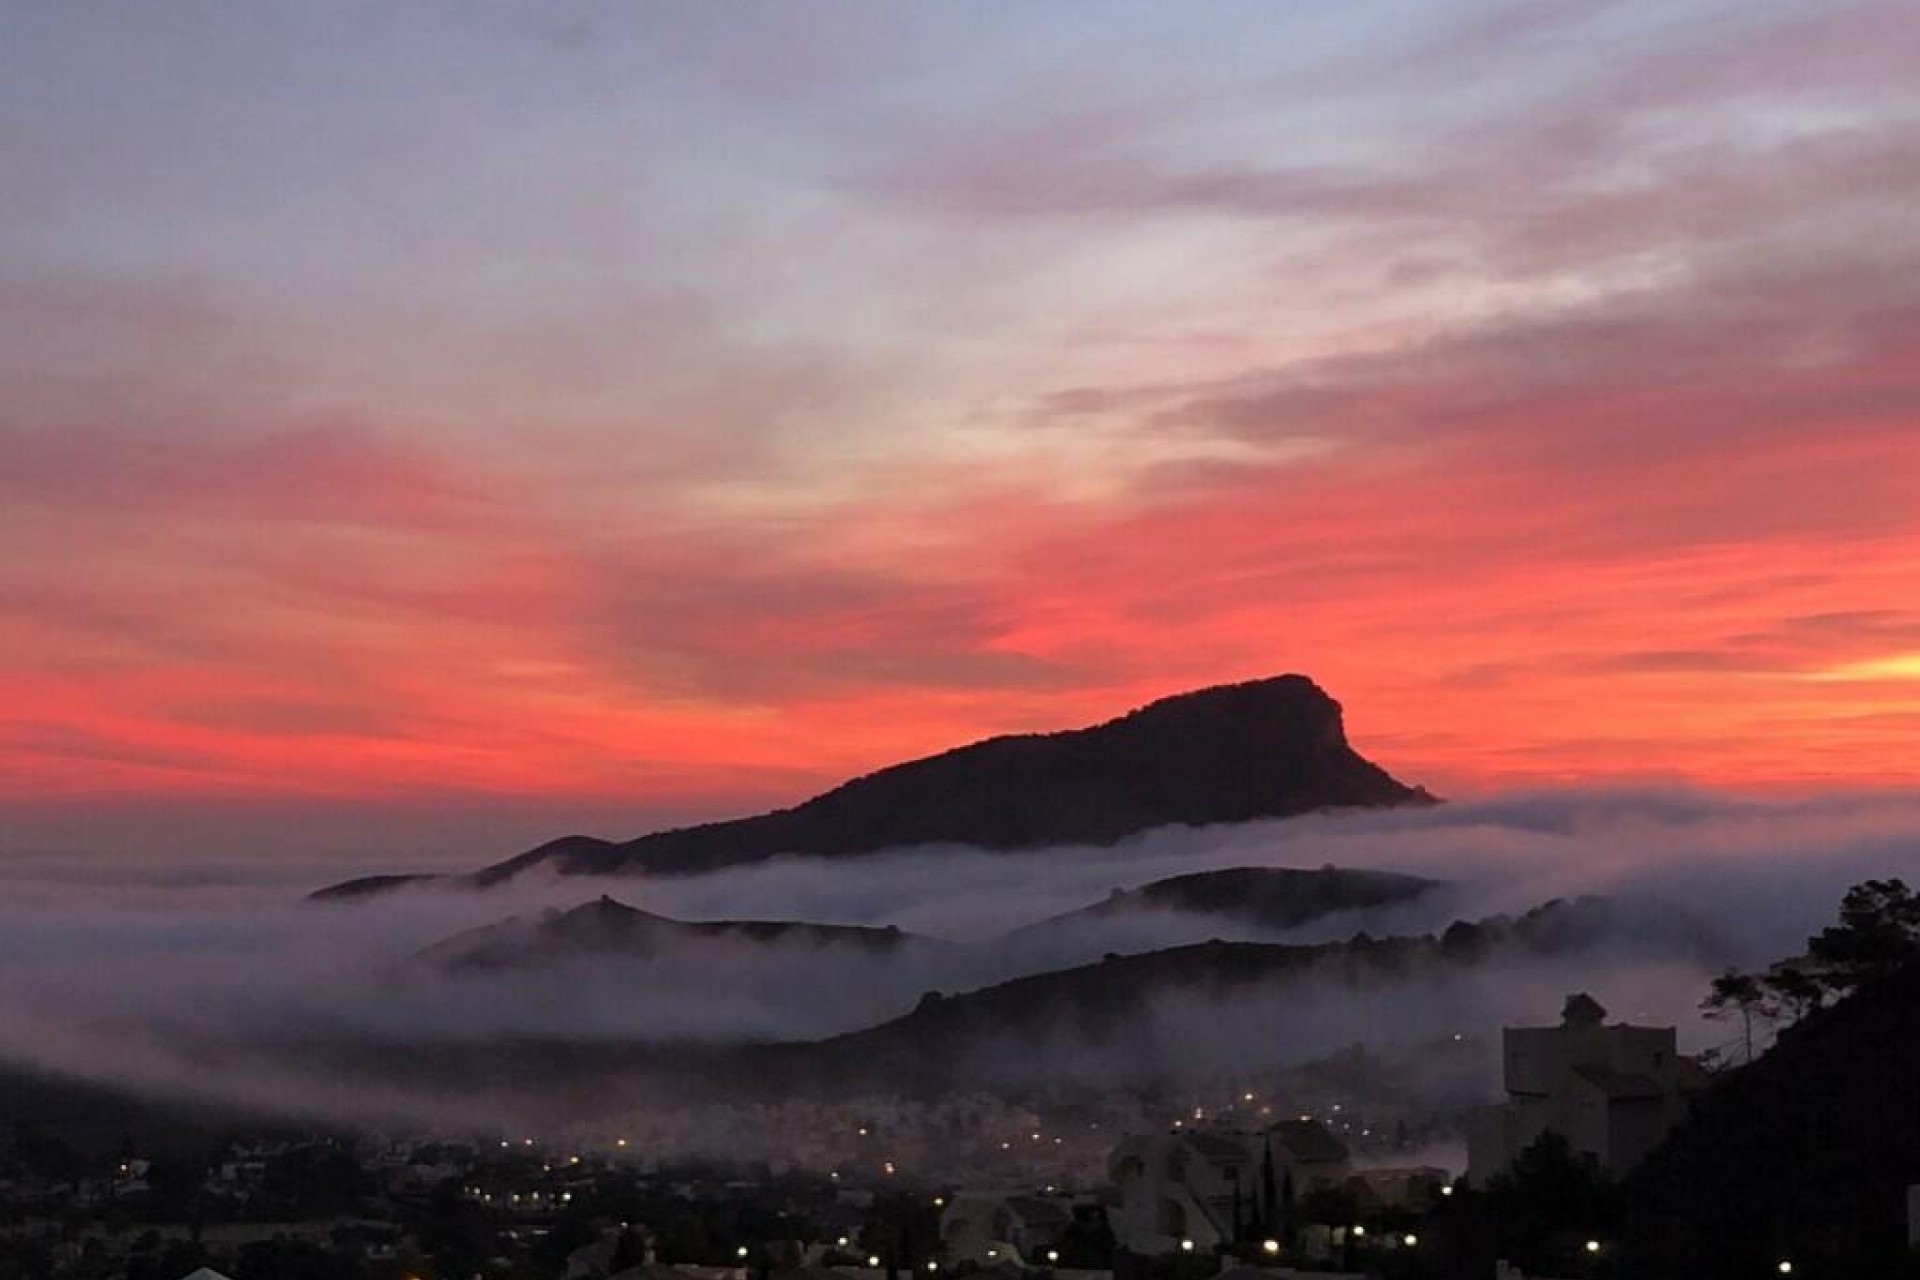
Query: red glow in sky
486	406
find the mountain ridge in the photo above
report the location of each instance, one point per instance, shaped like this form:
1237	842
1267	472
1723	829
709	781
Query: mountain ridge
605	928
1261	749
1266	897
1257	898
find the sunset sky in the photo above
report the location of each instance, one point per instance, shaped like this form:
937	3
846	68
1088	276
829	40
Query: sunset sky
625	412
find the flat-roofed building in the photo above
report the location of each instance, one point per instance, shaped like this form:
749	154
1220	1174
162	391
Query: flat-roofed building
1613	1091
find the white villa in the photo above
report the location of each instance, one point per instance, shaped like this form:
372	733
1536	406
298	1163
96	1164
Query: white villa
1181	1190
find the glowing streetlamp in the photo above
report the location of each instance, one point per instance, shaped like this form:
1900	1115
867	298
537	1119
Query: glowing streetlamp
1358	1231
1785	1268
1270	1246
873	1260
1593	1246
741	1251
1409	1240
1053	1255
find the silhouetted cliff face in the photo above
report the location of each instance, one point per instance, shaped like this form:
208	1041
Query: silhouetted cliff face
1265	749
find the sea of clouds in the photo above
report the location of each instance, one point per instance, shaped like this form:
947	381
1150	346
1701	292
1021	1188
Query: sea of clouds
118	971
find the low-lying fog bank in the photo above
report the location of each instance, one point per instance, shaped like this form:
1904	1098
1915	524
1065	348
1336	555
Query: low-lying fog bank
230	956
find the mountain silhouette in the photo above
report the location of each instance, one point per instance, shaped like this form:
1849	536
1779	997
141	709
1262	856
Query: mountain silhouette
1259	898
606	929
1271	748
1273	898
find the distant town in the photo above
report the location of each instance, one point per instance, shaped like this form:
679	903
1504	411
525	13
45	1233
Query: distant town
1279	1178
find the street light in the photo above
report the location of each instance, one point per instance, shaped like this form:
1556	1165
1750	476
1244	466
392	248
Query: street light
1053	1255
873	1260
1786	1268
1409	1239
1358	1231
1593	1246
1186	1246
742	1251
1271	1246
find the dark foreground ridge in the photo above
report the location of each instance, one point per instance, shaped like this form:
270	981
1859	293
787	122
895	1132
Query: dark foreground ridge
1273	748
1805	1154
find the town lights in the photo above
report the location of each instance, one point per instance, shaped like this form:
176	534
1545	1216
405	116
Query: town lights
1271	1246
873	1260
1409	1239
741	1251
933	1266
1186	1246
1053	1255
1593	1246
1358	1231
1786	1268
1447	1190
619	1142
842	1242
